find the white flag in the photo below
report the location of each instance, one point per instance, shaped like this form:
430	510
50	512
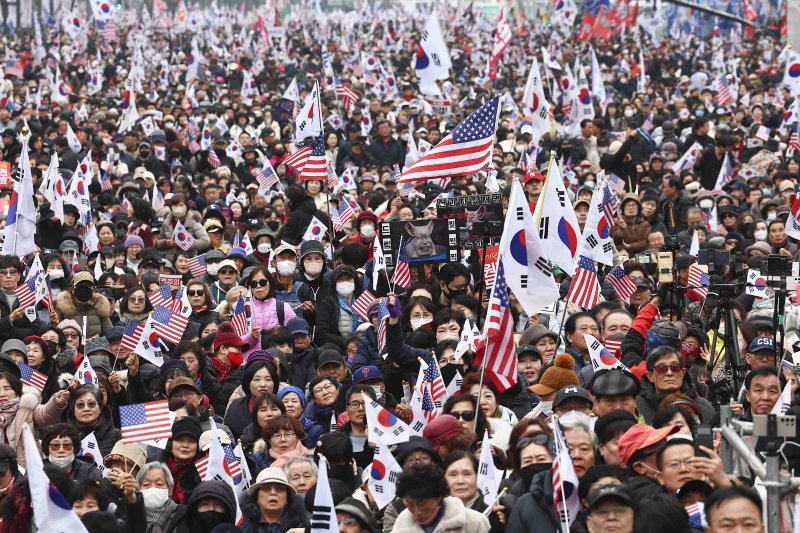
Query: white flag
598	90
756	284
383	476
528	272
130	114
218	466
309	121
378	262
316	230
90	448
535	103
433	58
149	345
51	511
489	477
384	427
694	248
52	188
324	518
20	227
784	402
596	242
72	140
455	385
600	356
688	159
557	222
86	373
584	96
182	238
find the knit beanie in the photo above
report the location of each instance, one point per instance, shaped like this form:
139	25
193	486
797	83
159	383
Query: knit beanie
226	336
286	390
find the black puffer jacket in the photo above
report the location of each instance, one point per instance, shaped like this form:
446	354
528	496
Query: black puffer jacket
184	519
219	393
534	511
327	329
303	210
294	516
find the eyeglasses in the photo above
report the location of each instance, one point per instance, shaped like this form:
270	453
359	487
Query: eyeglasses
66	446
10	272
283	436
763	355
324	388
227	271
355	404
259	283
464	415
349	521
608	509
84	405
662	369
136	300
71	335
676	465
196	293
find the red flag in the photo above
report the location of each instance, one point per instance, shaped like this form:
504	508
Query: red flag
633	15
587	27
601	27
501	41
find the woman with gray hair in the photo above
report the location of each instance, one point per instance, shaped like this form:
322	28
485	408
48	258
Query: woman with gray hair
155	483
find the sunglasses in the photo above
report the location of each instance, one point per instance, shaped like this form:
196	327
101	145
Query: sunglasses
9	272
227	271
537	438
467	416
196	293
259	283
662	369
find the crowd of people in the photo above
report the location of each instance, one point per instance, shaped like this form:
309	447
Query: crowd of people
295	386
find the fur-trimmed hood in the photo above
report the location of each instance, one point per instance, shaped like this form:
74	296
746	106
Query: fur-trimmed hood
68	307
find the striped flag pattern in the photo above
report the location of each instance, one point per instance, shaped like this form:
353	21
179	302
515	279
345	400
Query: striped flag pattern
383	318
794	142
298	159
131	335
316	166
724	95
145	421
197	266
498	355
584	291
434	378
362	303
26	292
610	206
402	275
32	377
241	319
162	297
169	325
346	95
565	481
617	184
700	279
465	150
213	159
266	176
622	283
232	465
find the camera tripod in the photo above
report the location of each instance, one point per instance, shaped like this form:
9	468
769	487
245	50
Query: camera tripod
723	389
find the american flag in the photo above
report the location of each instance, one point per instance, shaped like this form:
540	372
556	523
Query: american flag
402	276
131	335
613	345
565	481
266	176
346	212
465	150
162	297
428	407
333	179
336	220
193	146
584	291
700	279
383	318
108	30
696	512
434	377
145	421
794	142
298	159
241	317
617	184
213	159
197	266
32	377
26	292
610	206
346	95
362	303
232	465
13	68
724	95
105	182
169	325
622	283
316	166
499	352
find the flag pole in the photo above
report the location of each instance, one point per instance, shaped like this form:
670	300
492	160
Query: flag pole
563	517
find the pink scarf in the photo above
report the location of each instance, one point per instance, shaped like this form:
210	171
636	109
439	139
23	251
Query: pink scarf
280	459
8	412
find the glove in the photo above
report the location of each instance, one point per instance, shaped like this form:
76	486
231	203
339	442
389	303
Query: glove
394	310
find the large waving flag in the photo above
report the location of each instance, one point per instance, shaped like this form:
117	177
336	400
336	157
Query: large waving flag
383	476
565	481
558	225
688	159
584	291
536	103
52	188
130	114
596	242
21	219
527	270
385	428
502	39
465	150
51	511
433	58
309	121
498	354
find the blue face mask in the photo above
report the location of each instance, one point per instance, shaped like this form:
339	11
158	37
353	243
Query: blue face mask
700	112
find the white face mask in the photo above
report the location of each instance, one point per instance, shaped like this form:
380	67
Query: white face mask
367	230
404	137
213	269
286	268
628	113
378	393
771	216
56	274
589	184
417	323
448	336
345	289
155	498
264	247
179	211
313	269
62	462
706	204
760	234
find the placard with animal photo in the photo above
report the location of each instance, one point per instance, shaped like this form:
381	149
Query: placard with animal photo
477	217
424	241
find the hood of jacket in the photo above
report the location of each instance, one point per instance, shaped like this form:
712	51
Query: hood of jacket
344	269
213	488
191	219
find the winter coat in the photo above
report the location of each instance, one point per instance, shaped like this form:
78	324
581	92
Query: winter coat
265	317
219	392
649	399
329	313
456	518
674	212
635	231
107	435
315	291
237	416
299	219
615	164
15	330
534	511
294	516
97	312
301	367
84	469
367	353
192	223
35	414
364	457
182	519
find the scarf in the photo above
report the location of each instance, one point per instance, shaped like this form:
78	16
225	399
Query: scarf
8	412
157	518
178	495
282	458
223	370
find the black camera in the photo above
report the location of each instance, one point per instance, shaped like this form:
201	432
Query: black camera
671	244
776	265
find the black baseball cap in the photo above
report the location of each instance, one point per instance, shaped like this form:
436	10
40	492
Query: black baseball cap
606	492
571	391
